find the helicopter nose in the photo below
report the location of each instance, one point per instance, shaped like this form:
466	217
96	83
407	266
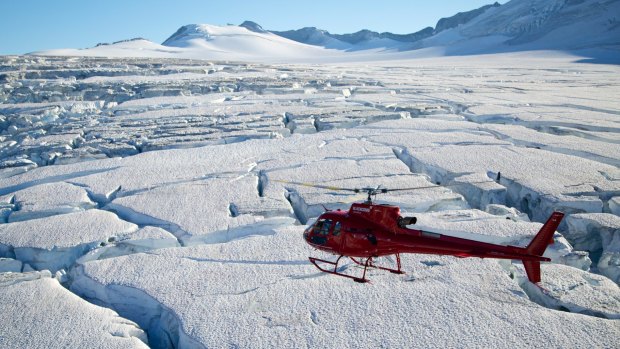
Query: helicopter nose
307	234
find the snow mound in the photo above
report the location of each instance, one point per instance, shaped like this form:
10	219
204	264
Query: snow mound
43	200
55	242
40	313
569	289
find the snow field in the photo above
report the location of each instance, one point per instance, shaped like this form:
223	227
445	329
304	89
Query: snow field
151	186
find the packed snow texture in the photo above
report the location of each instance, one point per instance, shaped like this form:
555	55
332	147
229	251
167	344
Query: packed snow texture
46	200
578	292
37	312
154	187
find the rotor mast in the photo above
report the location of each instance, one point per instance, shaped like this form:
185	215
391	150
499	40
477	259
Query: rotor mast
371	192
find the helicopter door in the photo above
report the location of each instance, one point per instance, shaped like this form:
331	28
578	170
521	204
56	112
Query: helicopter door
337	235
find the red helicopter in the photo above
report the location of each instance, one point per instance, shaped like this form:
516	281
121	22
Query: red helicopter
368	230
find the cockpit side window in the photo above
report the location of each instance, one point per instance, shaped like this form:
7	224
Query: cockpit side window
337	229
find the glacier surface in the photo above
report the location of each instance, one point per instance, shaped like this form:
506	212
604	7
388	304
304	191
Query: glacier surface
153	187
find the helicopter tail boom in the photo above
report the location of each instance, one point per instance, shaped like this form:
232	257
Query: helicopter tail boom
539	244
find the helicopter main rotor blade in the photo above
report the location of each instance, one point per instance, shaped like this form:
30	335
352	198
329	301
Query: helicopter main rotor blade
379	190
438	186
318	186
353	198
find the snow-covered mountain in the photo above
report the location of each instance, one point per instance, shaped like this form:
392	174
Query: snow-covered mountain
203	41
540	24
314	36
461	18
361	40
365	39
236	41
515	26
518	24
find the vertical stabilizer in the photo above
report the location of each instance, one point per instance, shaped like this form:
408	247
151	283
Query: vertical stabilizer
545	236
539	244
532	268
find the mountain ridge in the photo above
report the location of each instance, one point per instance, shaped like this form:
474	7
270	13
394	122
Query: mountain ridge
521	22
518	25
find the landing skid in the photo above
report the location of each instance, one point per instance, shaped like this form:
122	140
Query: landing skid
335	271
371	265
366	264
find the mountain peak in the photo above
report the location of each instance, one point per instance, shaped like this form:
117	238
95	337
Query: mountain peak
121	41
253	26
190	30
208	32
461	18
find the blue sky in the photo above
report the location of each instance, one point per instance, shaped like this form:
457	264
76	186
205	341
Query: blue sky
31	25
